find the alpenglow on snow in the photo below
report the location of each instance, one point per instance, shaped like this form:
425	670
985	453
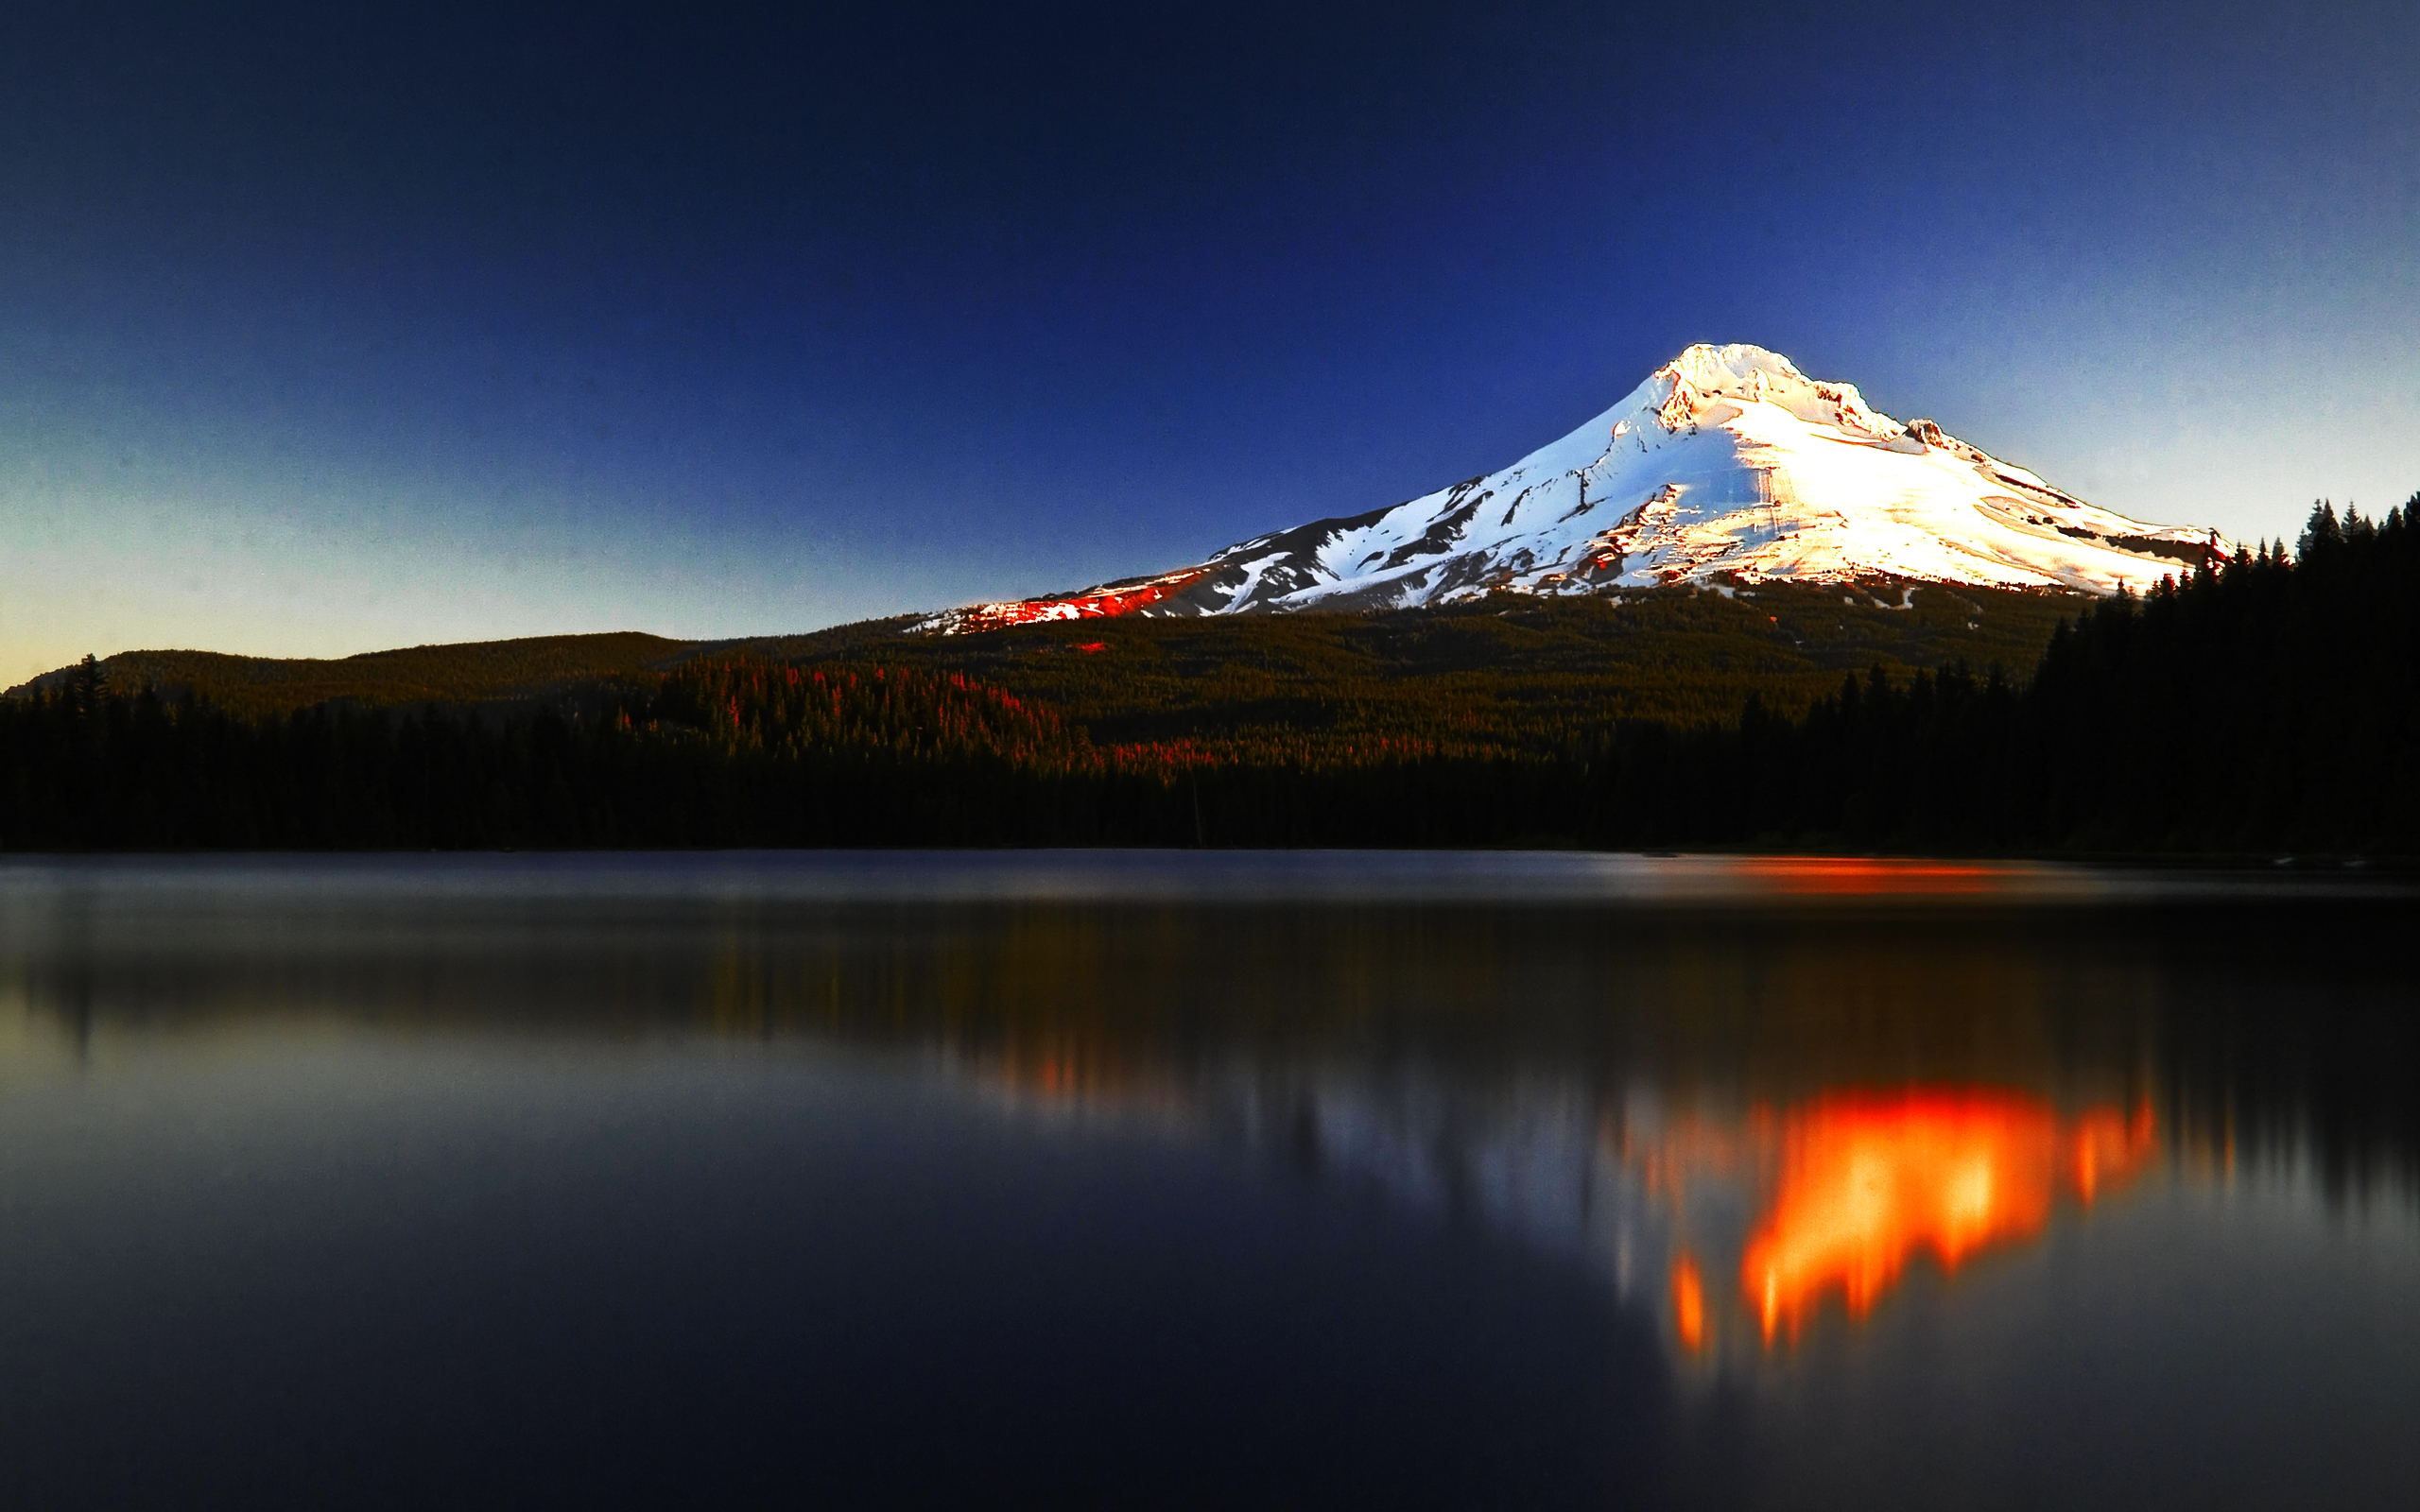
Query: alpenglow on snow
1726	463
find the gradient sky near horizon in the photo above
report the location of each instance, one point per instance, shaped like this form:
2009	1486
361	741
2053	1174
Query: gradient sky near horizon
327	329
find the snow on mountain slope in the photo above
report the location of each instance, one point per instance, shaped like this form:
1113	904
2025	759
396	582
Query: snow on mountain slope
1726	461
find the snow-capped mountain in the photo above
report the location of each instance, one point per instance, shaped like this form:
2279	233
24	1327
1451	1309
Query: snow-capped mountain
1727	461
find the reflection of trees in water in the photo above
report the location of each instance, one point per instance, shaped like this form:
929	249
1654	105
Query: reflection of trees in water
2285	1072
1503	1062
1648	1095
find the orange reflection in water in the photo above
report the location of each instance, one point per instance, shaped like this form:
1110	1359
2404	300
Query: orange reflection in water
1867	1180
1859	876
1688	1302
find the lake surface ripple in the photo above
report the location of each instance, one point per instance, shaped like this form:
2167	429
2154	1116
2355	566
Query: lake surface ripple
1136	1179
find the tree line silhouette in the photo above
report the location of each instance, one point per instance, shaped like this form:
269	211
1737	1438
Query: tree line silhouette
2265	703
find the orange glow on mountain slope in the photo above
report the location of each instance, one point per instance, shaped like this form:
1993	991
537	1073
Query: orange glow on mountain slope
1868	1179
1099	604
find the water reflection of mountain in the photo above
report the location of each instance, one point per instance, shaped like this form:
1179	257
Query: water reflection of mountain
1582	1078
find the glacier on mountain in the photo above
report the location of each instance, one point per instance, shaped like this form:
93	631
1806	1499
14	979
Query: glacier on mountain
1727	463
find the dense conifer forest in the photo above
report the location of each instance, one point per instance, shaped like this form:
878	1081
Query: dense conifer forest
2266	705
2263	706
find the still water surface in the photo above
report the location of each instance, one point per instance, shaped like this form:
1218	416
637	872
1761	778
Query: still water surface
1217	1179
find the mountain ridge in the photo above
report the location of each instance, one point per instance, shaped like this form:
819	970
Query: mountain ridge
466	672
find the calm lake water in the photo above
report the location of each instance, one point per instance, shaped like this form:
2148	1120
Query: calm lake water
1217	1179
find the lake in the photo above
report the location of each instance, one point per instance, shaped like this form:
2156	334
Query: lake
1205	1178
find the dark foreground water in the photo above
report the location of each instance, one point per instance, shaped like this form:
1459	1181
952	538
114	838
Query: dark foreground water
1204	1179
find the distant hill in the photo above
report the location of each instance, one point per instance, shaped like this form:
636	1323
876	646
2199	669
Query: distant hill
472	672
1510	672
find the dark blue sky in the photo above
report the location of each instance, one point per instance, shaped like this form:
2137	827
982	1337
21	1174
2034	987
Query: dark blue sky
325	330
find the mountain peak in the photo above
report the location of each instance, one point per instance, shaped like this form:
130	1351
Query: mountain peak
1723	368
1727	461
1705	375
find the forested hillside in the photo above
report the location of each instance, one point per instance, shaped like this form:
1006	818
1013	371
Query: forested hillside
735	751
2272	703
1511	673
1516	673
